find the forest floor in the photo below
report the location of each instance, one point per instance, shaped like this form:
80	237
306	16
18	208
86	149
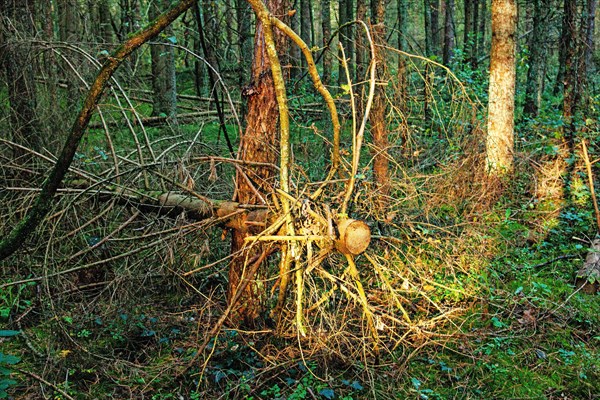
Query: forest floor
521	330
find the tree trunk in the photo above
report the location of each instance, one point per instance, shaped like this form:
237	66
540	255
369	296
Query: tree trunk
427	27
244	14
402	90
17	60
449	34
361	54
68	28
295	52
379	109
252	187
326	27
435	26
474	50
468	24
588	29
571	95
164	89
589	37
537	45
343	18
351	34
501	107
481	29
305	26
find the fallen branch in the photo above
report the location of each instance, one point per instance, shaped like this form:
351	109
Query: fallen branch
43	203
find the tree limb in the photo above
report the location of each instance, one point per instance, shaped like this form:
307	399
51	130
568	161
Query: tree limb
42	204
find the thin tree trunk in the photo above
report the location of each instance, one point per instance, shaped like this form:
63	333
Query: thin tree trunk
570	97
305	26
536	50
435	26
361	53
68	29
501	107
343	18
17	25
427	27
326	27
402	46
474	51
379	128
468	24
588	43
482	24
449	35
295	52
351	34
164	94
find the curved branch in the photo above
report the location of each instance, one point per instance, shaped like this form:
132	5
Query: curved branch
312	70
44	200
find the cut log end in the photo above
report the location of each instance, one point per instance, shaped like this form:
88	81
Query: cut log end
354	238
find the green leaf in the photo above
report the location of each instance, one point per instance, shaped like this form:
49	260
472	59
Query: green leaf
416	383
7	333
328	393
8	359
172	39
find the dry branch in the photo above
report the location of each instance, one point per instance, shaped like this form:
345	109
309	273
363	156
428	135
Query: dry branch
44	200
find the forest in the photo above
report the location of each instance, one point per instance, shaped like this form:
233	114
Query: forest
299	199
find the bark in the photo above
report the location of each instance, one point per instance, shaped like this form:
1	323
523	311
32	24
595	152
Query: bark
570	81
305	25
69	32
16	56
435	26
402	90
43	202
252	187
343	18
537	51
244	13
428	28
449	35
500	135
468	26
585	65
106	32
350	33
474	51
589	36
379	111
295	54
361	53
164	80
326	27
482	24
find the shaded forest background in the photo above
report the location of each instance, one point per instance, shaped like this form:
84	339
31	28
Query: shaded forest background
176	261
